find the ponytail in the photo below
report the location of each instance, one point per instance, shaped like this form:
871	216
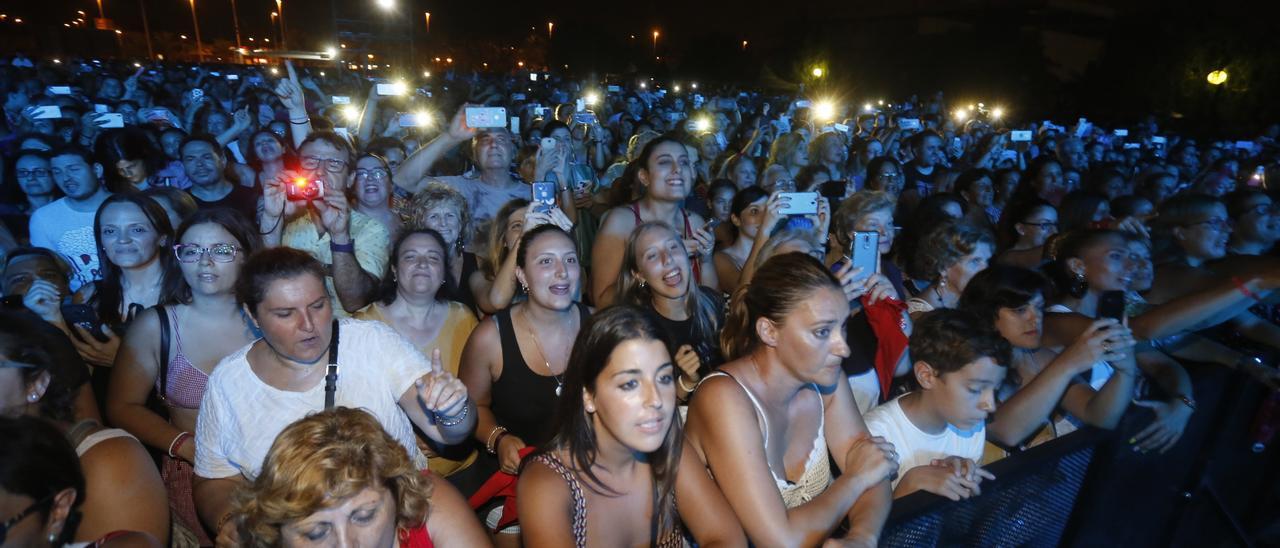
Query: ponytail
778	287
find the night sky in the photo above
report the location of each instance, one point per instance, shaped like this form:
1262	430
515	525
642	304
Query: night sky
1109	59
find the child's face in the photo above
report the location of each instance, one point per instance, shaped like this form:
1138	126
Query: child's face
966	397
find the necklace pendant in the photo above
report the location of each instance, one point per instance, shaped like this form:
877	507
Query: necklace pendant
558	387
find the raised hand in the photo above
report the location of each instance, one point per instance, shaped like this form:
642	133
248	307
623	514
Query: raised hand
688	362
439	392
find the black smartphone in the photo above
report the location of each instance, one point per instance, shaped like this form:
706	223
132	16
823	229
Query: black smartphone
83	315
1111	304
11	302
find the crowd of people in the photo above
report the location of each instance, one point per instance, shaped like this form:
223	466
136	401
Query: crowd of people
300	306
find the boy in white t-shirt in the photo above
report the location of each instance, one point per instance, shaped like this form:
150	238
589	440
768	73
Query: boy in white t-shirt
939	430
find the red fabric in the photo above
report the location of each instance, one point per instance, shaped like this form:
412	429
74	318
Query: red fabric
885	318
418	537
500	484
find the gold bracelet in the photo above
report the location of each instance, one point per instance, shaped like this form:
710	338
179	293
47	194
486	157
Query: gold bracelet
488	443
680	380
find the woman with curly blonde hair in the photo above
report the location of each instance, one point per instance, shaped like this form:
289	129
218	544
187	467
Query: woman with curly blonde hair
336	477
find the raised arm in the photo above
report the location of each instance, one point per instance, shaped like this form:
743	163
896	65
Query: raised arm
290	93
438	405
606	255
415	168
354	286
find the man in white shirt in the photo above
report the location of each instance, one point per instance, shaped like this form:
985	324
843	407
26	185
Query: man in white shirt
66	225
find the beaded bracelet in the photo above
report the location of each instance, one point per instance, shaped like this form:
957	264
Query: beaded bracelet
454	420
489	443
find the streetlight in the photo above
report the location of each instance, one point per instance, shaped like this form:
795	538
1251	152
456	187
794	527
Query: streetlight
387	4
818	72
280	10
235	22
655	42
550	28
428	17
195	21
1218	77
744	45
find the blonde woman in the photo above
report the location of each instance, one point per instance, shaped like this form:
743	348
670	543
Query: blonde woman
336	478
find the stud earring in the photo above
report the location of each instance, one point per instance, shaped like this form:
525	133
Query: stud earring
642	282
32	397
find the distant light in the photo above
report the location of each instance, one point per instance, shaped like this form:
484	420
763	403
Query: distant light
520	64
331	52
275	70
694	85
960	115
386	4
371	56
184	37
423	118
971	107
702	124
57	61
867	107
824	110
980	105
343	46
591	98
643	85
137	65
322	73
350	113
676	88
266	39
118	32
996	113
818	72
448	60
1218	77
426	74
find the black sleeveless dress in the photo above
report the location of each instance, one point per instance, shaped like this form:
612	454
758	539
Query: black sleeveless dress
524	402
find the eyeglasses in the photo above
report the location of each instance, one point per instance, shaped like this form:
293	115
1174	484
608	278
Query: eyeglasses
333	165
1216	224
191	253
36	506
890	175
1042	225
376	174
31	173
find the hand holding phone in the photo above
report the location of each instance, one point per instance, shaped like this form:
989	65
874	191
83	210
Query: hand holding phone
864	253
798	203
486	117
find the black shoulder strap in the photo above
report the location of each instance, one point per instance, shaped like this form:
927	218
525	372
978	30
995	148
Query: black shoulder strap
163	314
331	378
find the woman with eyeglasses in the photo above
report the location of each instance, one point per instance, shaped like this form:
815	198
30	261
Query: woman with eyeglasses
165	352
371	188
884	174
1024	229
1191	231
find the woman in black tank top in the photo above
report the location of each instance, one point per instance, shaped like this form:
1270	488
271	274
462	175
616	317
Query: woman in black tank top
514	366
